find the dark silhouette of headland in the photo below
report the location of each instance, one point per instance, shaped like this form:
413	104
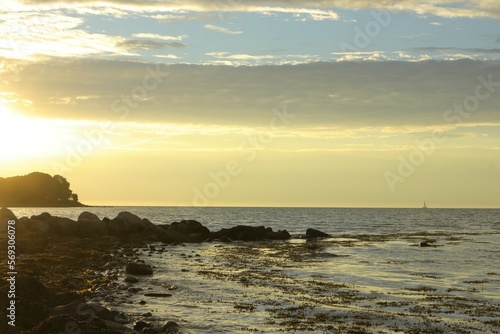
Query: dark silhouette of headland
37	190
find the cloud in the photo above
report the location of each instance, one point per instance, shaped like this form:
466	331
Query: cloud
140	44
161	37
448	49
348	94
26	34
312	9
222	29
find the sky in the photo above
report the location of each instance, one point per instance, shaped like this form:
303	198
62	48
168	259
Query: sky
332	103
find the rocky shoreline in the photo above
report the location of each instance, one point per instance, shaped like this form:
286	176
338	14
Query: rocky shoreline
65	265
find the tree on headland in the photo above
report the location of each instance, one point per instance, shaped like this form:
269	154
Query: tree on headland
37	189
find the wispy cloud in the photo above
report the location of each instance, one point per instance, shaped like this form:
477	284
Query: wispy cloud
222	29
161	37
142	44
313	9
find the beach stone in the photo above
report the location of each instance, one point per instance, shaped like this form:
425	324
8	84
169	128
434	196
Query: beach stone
137	268
424	244
131	279
140	325
89	225
159	295
170	327
312	233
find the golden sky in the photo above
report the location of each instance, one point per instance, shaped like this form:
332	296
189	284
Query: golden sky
257	104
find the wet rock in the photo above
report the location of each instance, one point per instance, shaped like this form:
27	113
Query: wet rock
170	327
424	244
312	233
140	325
159	295
242	232
279	235
138	268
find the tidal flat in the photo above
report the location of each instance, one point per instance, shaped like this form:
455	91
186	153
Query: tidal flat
346	284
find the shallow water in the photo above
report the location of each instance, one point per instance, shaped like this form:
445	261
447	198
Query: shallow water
371	276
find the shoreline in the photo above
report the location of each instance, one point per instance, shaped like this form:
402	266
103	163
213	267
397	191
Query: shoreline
86	280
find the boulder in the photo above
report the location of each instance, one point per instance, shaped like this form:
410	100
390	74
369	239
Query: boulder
280	235
43	216
89	225
5	216
126	223
172	237
34	225
242	232
170	327
62	226
187	227
312	233
138	268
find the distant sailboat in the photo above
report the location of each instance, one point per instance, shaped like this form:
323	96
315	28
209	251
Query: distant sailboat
425	206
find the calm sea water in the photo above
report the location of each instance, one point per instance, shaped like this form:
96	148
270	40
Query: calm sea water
392	284
296	220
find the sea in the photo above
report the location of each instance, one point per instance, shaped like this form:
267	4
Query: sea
370	276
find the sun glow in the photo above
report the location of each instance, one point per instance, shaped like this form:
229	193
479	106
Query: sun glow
24	137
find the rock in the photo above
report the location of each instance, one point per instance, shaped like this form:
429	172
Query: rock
242	232
131	279
170	327
43	216
126	223
312	233
36	226
138	268
62	226
171	237
424	244
89	225
280	235
140	325
160	295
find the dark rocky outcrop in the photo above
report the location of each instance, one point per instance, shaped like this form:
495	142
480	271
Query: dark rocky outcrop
185	231
249	233
312	233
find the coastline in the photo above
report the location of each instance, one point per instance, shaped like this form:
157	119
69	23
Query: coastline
84	280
